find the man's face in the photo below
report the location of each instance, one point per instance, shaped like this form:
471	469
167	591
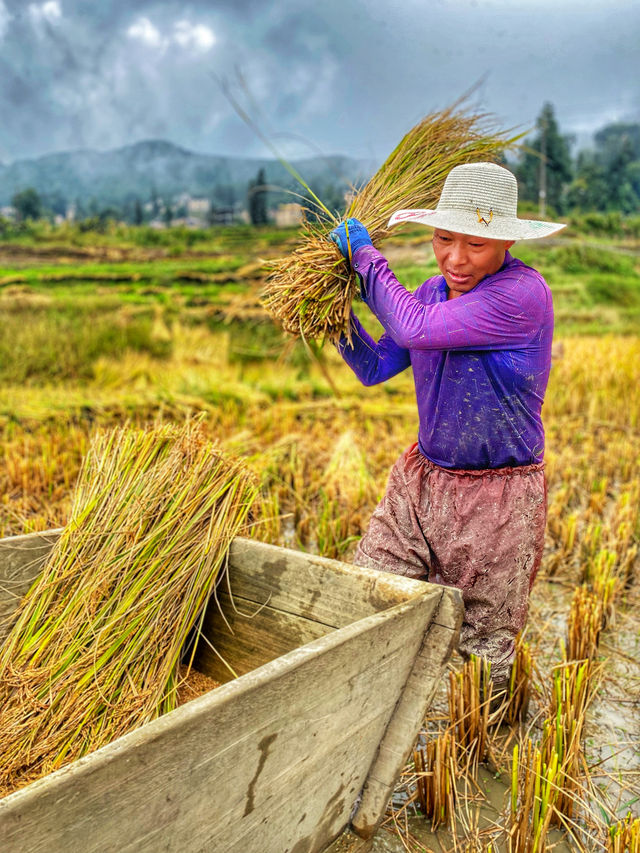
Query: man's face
464	260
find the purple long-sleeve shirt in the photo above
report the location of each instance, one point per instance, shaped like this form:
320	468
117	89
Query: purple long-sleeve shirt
480	361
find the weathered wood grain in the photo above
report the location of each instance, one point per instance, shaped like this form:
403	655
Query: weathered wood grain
249	635
321	589
21	558
396	745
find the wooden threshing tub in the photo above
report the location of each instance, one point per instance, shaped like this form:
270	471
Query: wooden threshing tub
337	667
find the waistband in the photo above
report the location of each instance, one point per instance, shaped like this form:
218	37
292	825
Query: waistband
508	471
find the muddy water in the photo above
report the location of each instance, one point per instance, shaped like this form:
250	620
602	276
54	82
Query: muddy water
481	811
612	730
612	739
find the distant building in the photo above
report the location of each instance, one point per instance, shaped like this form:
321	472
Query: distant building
8	212
288	215
198	207
194	208
222	215
189	221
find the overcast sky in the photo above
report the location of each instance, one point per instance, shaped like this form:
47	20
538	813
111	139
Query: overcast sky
336	76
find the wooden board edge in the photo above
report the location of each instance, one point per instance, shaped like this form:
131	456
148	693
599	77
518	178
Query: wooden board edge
440	638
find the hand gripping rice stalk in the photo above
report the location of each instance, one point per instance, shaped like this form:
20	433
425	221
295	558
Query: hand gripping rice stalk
97	643
310	291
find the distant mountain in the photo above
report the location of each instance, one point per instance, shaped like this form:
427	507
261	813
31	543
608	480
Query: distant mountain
157	168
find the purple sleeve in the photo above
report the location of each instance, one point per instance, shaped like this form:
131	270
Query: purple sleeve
372	361
503	311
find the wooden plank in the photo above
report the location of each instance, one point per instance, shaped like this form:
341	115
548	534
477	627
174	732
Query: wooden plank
226	768
319	594
395	747
326	810
297	611
331	705
353	698
247	636
21	558
317	588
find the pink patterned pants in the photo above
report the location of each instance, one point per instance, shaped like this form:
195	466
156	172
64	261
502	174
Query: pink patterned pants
479	531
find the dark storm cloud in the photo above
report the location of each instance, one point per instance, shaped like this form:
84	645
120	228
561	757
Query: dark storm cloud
347	76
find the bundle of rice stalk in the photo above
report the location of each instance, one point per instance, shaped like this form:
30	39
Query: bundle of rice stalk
310	291
584	625
436	770
98	640
470	694
519	691
624	836
533	798
347	478
574	684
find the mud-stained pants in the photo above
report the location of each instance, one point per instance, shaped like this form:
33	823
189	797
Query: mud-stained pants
480	531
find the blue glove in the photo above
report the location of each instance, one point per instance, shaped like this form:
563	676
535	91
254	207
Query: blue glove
357	237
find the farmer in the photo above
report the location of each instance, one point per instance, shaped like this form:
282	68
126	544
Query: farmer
465	506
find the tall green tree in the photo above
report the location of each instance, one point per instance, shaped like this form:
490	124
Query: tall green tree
618	152
138	212
589	189
545	167
27	204
155	203
607	177
257	199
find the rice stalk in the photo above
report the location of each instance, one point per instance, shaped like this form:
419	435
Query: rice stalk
435	768
533	798
311	290
470	693
96	647
584	625
345	495
519	690
562	731
346	477
624	836
604	582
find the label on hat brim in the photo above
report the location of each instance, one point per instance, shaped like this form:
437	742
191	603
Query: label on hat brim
409	215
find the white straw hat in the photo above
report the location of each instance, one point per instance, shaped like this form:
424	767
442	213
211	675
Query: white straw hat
480	199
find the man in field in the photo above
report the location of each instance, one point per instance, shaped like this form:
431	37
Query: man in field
466	505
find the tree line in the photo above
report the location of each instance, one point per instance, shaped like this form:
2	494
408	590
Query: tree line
604	177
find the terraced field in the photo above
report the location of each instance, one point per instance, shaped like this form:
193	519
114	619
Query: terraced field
144	326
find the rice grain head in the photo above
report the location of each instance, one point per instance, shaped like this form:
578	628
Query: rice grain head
96	646
311	290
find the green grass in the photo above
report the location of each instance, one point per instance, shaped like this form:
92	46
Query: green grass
165	270
62	342
59	316
171	241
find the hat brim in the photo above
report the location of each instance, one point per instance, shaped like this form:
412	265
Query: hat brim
497	228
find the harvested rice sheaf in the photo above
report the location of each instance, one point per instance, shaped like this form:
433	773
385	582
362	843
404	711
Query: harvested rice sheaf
310	291
97	645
